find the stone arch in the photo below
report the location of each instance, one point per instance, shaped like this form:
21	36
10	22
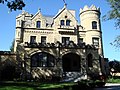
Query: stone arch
71	62
69	51
32	52
42	59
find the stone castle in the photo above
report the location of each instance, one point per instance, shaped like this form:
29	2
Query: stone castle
59	46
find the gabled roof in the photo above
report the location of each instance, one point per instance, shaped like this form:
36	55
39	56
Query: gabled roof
39	12
49	19
60	11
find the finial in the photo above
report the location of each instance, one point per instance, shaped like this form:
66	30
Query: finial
39	9
65	4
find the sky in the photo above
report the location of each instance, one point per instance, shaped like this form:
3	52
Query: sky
51	7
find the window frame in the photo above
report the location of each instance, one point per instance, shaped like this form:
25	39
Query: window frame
32	39
65	40
62	22
94	25
43	41
80	40
68	22
95	41
41	61
38	24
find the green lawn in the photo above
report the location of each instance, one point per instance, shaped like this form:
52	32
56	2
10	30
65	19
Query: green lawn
32	85
112	80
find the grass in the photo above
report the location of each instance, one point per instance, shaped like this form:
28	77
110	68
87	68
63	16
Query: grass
16	88
32	85
112	80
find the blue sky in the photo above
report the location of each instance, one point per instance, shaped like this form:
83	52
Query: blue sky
51	7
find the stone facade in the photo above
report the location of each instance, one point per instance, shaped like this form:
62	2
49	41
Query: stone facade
58	46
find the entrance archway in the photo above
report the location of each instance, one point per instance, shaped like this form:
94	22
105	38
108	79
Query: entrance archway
71	62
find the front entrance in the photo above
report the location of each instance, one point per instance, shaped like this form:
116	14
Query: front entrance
71	62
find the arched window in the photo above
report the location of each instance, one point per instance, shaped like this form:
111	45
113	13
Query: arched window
38	24
62	22
42	59
94	25
90	60
67	22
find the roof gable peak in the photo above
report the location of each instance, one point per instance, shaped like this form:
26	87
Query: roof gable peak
38	12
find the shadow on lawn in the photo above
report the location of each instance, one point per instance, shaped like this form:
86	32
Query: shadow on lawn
18	85
40	86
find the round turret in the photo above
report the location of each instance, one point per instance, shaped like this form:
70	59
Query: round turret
90	21
90	17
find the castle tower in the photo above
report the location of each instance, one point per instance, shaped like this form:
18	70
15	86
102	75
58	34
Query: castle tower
20	24
90	21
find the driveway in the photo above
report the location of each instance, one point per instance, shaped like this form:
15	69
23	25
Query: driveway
110	86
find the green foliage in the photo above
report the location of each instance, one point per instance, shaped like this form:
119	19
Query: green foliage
116	42
13	4
115	65
91	83
12	46
112	80
114	13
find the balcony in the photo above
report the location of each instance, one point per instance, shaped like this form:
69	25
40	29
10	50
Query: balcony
66	27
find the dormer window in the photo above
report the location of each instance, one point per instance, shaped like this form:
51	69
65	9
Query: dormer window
38	24
62	22
94	25
67	22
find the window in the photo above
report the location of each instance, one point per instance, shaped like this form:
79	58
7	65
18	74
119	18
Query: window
43	39
42	59
62	22
95	41
67	22
50	61
94	25
34	61
65	40
32	39
38	24
18	34
90	60
18	21
80	40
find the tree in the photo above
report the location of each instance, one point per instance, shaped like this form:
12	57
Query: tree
114	66
116	42
13	4
12	46
114	13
